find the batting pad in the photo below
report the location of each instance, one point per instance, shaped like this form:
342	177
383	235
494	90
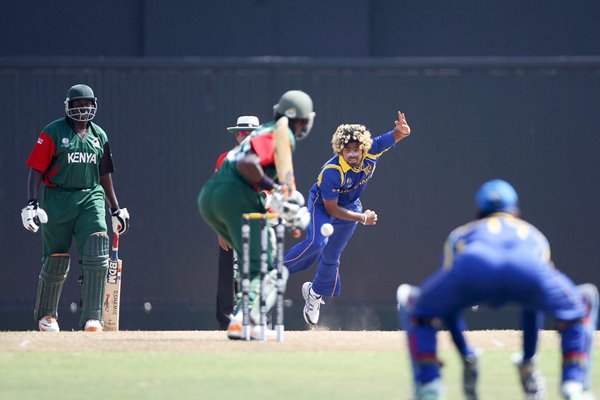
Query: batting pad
94	266
52	277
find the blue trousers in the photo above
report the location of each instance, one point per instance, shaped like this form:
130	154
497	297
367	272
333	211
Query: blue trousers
485	275
326	251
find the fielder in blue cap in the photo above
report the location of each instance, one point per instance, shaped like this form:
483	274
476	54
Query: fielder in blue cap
494	260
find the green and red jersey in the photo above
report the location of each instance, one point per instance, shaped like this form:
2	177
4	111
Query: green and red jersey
261	142
68	161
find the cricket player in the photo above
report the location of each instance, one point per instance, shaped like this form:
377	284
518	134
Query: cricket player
335	199
225	280
72	158
497	259
235	190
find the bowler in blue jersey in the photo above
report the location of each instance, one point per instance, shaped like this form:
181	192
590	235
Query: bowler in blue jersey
335	199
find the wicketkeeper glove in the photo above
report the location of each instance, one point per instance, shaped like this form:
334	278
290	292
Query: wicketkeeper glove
33	216
120	220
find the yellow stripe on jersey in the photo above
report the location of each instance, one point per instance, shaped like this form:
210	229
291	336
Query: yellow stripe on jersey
320	178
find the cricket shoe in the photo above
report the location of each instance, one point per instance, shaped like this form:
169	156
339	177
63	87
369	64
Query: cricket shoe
235	327
256	333
470	375
235	330
93	325
429	391
48	324
572	390
533	383
313	303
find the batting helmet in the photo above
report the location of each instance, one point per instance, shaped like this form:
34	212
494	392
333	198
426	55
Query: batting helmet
80	92
497	195
295	104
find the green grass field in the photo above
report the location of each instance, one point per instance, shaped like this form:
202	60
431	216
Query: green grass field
205	365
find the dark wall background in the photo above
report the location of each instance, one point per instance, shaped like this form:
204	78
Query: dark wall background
313	28
530	120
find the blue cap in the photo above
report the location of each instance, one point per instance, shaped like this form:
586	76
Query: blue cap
497	195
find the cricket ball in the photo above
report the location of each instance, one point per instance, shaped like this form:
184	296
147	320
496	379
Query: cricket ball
326	230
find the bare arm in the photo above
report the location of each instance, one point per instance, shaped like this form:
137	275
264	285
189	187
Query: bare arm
109	190
33	184
402	129
249	167
366	218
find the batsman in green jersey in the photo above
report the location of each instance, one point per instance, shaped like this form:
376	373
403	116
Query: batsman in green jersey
236	189
72	158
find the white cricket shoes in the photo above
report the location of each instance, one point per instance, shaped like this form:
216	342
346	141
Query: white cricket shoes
235	330
93	325
48	324
313	303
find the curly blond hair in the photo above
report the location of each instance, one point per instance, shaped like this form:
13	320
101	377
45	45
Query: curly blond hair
346	133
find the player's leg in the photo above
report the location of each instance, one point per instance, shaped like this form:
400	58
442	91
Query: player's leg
419	315
455	324
304	254
56	238
532	381
93	244
225	292
563	300
327	280
590	324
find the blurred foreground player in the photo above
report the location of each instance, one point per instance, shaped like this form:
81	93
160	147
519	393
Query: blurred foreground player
235	189
73	159
494	260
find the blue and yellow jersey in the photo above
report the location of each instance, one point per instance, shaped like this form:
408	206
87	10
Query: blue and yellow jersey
500	231
338	180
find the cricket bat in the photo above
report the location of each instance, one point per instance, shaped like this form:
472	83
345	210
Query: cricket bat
283	156
112	292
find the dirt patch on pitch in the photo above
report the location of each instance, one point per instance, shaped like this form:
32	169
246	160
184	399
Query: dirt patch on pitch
215	341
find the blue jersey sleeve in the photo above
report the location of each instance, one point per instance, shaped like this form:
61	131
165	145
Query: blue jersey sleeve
330	182
382	143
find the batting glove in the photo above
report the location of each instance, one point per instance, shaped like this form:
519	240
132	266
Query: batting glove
33	216
120	220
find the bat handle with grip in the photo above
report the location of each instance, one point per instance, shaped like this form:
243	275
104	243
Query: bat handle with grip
115	247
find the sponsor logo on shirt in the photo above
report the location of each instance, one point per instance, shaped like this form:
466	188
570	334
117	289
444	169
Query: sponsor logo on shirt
81	158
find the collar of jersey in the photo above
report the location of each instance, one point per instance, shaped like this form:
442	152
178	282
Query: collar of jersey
346	167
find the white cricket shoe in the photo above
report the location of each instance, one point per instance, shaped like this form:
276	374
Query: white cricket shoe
93	325
572	390
313	304
532	381
48	324
430	391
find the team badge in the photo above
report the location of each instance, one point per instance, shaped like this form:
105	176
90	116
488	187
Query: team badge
66	142
96	143
367	169
40	140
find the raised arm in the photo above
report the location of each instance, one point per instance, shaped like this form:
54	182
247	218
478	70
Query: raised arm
402	129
